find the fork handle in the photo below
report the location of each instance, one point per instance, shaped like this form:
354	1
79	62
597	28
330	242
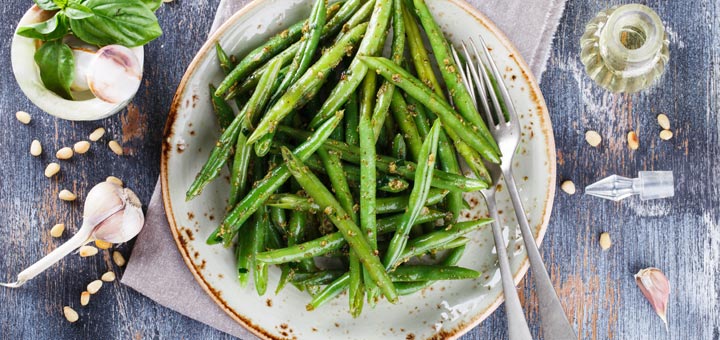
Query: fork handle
517	325
555	323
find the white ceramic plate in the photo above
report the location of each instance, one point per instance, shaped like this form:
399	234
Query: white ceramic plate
447	309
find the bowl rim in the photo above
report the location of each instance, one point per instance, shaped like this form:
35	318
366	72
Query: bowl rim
545	126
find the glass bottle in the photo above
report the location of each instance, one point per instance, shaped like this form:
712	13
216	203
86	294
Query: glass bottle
625	48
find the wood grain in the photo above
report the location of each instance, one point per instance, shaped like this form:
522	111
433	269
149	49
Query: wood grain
680	235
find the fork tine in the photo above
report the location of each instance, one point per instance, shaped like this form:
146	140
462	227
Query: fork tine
490	91
501	84
464	75
480	84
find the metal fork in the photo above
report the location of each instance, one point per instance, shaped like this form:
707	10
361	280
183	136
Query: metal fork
506	131
517	325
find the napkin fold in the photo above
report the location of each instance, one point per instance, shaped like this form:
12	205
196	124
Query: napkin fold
530	25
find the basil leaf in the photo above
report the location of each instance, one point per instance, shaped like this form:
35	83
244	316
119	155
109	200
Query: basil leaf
57	67
48	5
51	29
123	22
153	5
77	11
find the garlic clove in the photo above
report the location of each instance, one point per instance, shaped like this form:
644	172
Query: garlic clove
656	288
114	75
83	58
103	200
125	224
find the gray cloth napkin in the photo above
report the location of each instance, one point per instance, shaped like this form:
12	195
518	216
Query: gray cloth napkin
530	25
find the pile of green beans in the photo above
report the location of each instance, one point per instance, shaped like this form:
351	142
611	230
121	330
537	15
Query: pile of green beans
339	153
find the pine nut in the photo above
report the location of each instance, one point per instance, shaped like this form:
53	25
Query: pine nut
663	121
66	195
84	298
593	138
81	147
568	187
118	258
52	169
605	242
114	180
666	134
94	287
35	148
115	147
86	251
108	277
633	141
23	117
57	230
97	134
102	244
64	153
70	314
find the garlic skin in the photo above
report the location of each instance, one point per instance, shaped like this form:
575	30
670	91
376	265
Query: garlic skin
115	73
111	213
656	288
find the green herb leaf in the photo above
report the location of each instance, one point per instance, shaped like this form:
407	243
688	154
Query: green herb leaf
75	10
153	5
57	67
48	5
51	29
123	22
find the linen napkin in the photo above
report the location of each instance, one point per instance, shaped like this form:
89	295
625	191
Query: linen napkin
174	286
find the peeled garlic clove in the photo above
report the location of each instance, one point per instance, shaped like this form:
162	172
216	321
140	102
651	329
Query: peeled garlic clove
83	58
114	75
656	288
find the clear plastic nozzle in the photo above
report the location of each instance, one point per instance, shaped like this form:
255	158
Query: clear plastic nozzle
649	185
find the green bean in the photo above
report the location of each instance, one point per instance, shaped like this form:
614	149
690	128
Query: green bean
392	184
340	186
384	205
368	175
350	231
438	238
362	15
418	196
308	85
387	89
421	273
335	22
278	217
371	44
244	256
454	126
449	70
404	120
334	241
238	172
442	180
418	112
251	81
260	55
399	148
264	188
329	292
407	288
260	272
386	182
221	152
222	110
317	278
458	242
352	119
309	44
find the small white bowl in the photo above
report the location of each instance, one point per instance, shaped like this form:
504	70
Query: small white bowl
27	74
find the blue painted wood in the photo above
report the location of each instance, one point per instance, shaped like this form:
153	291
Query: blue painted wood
680	235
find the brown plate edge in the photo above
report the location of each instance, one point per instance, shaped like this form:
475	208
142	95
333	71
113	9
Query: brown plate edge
461	329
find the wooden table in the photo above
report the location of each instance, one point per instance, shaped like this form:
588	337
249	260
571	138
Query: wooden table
679	235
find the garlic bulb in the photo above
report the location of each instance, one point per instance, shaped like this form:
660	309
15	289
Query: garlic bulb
111	213
114	74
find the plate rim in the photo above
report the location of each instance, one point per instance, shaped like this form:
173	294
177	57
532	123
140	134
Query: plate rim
545	127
